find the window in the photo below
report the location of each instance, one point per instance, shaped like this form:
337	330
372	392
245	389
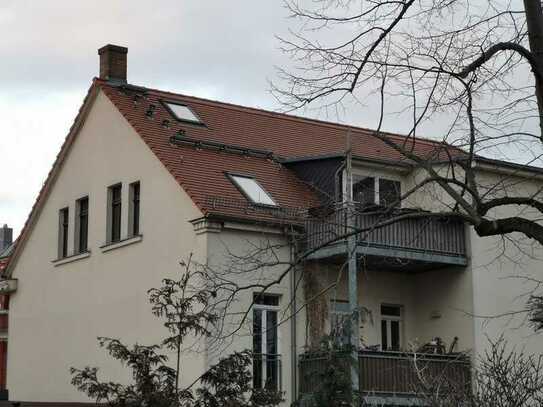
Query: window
252	190
369	191
182	112
364	190
134	209
114	213
82	225
266	357
389	192
391	327
340	322
63	222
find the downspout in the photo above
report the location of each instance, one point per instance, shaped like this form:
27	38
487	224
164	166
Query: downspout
293	331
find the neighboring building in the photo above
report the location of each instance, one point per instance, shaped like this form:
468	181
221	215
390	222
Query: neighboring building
6	248
6	237
147	178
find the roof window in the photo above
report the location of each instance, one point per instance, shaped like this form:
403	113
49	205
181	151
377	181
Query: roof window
182	112
252	190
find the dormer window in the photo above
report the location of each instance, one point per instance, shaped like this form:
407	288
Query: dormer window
376	191
252	190
182	112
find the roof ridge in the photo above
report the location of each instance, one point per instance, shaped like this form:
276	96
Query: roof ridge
284	116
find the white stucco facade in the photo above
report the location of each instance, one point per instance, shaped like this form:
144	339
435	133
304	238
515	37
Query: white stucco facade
59	309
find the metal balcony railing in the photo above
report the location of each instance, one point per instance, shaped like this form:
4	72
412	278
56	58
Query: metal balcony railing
392	373
404	230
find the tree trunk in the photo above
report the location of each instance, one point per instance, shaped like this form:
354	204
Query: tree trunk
534	20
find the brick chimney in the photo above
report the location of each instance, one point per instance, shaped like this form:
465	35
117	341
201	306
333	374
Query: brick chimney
6	237
113	63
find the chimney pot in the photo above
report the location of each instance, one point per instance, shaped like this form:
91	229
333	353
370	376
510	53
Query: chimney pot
113	63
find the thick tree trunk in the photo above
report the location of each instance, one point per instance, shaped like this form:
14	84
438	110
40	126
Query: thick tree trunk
534	20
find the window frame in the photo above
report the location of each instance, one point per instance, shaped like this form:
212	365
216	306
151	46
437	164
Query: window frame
78	236
134	209
167	102
63	232
388	319
376	186
264	309
111	213
232	177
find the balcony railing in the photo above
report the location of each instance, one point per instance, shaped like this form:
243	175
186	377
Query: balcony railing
380	231
391	373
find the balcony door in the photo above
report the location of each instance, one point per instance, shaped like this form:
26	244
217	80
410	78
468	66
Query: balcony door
266	357
391	327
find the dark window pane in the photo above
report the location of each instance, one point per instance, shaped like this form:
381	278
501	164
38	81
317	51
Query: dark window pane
391	310
257	348
364	190
272	368
116	213
64	216
83	224
384	339
395	335
271	332
266	299
136	208
389	192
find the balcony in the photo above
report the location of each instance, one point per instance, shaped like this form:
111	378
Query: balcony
388	377
423	242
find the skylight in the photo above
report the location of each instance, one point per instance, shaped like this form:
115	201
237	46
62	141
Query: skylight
252	190
182	112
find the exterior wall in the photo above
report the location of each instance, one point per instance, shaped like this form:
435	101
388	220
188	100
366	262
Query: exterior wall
58	311
223	248
447	292
506	271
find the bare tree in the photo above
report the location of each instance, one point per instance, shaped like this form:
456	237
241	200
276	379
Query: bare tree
502	377
475	64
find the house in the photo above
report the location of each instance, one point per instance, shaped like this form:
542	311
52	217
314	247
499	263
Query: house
148	178
6	248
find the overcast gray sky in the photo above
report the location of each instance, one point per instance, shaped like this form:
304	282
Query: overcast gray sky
217	49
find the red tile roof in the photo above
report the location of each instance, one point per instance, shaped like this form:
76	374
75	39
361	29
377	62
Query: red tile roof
201	172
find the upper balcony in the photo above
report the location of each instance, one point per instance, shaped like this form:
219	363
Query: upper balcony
389	237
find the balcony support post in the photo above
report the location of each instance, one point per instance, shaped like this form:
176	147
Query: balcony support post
350	223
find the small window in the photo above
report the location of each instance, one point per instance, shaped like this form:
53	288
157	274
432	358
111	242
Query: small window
114	213
391	327
252	190
389	192
63	223
82	225
134	209
182	112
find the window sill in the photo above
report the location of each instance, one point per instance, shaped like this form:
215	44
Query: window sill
70	259
121	243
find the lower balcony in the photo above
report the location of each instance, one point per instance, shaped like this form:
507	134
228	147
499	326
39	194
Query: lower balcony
389	378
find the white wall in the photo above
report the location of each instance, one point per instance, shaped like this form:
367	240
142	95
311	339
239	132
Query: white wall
223	248
447	291
58	312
